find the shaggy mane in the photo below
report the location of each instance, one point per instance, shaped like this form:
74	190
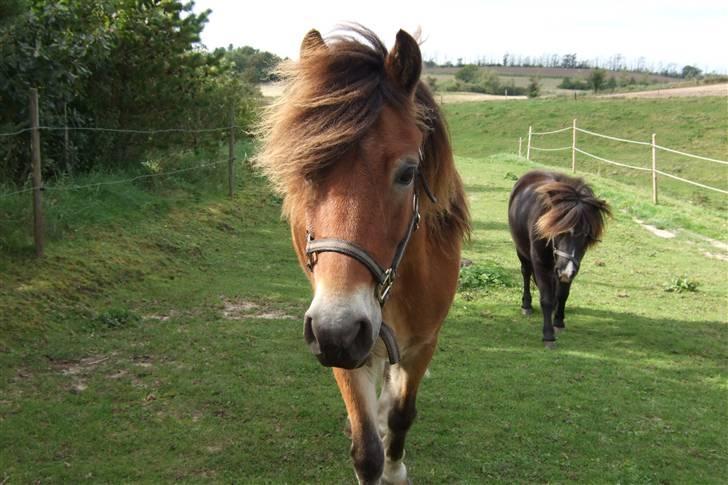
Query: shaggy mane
333	97
571	206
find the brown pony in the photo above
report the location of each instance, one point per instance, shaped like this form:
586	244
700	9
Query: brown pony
554	219
360	151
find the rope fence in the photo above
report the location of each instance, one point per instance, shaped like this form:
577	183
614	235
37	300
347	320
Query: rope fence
35	129
654	146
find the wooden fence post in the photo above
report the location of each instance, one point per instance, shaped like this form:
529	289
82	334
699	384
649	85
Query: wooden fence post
654	171
66	140
38	235
520	142
231	153
528	147
573	147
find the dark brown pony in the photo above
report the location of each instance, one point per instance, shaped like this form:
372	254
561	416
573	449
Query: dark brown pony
355	145
554	219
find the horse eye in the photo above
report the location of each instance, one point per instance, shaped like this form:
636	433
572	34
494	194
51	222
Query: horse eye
406	176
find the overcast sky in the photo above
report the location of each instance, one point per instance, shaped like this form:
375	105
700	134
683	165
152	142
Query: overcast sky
667	31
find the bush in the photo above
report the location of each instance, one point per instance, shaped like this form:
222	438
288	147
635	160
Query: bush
534	88
482	277
468	74
118	318
680	284
577	84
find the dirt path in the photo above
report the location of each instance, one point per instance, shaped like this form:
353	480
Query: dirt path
709	90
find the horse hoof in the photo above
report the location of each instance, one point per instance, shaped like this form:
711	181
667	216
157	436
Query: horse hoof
559	329
527	311
549	344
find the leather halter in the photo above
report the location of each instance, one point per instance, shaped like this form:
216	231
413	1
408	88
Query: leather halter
384	277
569	257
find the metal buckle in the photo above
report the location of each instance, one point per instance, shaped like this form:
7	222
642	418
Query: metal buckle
385	286
309	256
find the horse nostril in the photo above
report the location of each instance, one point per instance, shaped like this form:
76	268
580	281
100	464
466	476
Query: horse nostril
363	340
309	336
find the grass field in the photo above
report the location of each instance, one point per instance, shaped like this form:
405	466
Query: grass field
693	125
163	343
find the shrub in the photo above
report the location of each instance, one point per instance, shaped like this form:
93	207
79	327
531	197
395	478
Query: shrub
481	277
680	284
468	74
534	88
118	318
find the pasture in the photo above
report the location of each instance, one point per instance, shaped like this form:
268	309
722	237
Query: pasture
163	343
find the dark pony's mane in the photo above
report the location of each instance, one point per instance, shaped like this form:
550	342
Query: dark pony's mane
334	95
570	205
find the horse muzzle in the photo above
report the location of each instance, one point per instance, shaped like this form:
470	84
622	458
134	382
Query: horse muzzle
345	344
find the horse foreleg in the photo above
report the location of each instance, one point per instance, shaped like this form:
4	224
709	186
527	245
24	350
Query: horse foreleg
547	292
562	294
526	272
397	408
358	389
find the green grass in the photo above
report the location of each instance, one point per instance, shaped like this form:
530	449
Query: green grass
693	125
164	344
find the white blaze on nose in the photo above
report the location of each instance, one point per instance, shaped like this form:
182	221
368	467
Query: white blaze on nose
569	271
336	306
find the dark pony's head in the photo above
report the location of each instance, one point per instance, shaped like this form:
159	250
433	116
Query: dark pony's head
573	220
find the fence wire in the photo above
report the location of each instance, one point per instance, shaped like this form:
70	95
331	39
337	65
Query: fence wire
123	181
624	165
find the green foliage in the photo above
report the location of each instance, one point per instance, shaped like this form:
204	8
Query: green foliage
253	65
469	74
681	284
120	64
483	277
596	79
534	88
118	318
578	84
690	72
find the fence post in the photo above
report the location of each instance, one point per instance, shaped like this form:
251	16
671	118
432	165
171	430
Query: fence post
654	171
520	142
528	147
231	153
66	141
38	235
573	147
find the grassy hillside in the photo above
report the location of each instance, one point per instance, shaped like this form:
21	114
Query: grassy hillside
693	125
164	344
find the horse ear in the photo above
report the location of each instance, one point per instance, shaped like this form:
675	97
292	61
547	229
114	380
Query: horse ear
404	62
312	41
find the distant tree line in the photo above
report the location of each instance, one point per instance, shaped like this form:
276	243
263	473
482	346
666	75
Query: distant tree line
121	64
616	62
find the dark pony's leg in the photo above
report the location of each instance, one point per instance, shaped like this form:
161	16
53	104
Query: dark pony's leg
546	283
562	294
526	271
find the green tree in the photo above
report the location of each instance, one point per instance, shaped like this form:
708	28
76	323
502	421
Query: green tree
690	72
468	74
596	79
534	88
124	64
254	65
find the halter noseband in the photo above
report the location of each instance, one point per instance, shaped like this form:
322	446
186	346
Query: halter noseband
570	257
384	277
